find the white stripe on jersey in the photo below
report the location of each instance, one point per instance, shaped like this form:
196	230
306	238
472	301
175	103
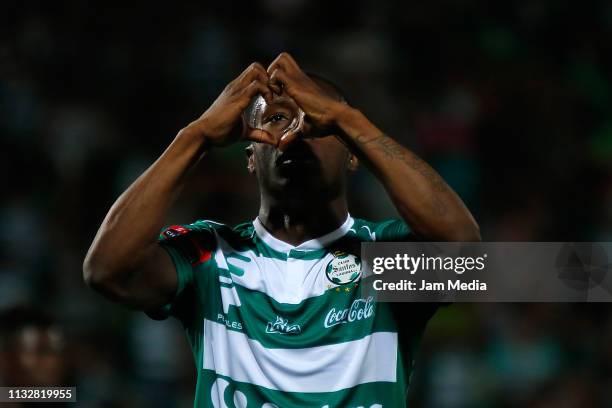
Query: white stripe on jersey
319	369
290	281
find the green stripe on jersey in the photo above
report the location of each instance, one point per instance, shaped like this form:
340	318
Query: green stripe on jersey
330	318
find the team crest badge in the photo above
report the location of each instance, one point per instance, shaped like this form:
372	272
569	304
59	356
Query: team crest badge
344	268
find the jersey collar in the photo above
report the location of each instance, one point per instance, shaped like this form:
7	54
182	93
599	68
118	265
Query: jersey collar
313	244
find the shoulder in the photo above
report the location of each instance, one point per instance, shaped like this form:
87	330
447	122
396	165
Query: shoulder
207	233
200	228
391	229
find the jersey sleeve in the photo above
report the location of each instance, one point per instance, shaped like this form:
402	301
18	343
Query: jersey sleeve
393	230
188	246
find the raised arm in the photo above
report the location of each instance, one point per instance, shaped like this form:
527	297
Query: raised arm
124	261
432	209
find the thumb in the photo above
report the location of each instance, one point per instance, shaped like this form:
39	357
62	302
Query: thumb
260	136
296	131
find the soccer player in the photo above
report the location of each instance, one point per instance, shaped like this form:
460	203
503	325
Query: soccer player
270	306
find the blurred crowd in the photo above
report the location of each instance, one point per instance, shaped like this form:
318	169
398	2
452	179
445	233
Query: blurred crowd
511	103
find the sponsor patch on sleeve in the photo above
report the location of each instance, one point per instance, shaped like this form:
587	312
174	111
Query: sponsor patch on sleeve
188	242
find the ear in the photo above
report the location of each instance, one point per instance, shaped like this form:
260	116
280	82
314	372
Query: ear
250	150
352	163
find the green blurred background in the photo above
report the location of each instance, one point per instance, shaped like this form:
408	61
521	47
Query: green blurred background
510	101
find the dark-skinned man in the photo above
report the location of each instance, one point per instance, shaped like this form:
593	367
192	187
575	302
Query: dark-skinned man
270	307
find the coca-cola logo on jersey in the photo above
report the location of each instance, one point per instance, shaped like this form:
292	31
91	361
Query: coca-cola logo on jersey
360	309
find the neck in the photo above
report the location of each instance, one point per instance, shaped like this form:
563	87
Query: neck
302	221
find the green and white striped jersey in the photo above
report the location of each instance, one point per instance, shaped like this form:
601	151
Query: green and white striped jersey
276	325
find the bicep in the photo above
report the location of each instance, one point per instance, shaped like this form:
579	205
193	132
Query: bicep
170	268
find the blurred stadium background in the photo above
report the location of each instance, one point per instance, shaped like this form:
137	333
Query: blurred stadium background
512	104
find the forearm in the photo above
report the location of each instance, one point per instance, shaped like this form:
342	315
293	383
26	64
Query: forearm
421	196
132	225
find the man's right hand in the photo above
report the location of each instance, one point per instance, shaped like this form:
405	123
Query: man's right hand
222	123
125	262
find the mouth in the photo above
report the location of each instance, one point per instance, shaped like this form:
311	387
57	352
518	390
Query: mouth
295	156
293	161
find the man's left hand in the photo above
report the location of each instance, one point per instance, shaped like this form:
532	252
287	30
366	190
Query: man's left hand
321	109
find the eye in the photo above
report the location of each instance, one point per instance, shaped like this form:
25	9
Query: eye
275	118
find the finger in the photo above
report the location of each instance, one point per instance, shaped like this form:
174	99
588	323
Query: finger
293	134
290	60
254	88
283	61
247	74
278	63
266	91
278	81
286	140
257	72
260	136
